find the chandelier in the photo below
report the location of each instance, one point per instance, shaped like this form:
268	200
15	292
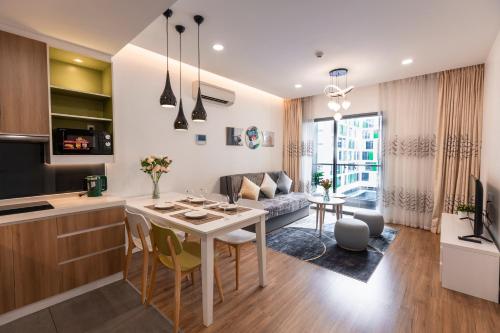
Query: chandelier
337	92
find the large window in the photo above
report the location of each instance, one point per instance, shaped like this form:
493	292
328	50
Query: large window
348	153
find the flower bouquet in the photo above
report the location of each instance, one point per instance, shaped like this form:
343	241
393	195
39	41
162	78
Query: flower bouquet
326	184
155	166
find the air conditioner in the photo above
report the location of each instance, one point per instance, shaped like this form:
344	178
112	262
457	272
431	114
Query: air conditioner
214	94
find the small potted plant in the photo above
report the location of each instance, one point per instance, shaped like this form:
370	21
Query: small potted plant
465	210
155	166
316	179
326	184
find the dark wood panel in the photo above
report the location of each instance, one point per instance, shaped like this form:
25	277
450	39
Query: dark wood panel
24	101
7	300
86	270
88	220
36	270
82	244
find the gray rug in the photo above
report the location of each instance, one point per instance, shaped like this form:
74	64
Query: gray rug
114	308
305	244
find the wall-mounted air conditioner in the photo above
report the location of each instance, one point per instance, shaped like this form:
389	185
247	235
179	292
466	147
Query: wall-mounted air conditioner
214	94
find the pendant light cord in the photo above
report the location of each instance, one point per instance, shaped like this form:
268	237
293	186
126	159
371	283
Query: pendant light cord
180	65
167	42
198	55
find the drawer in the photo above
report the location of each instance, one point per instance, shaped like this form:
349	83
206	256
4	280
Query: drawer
88	220
85	243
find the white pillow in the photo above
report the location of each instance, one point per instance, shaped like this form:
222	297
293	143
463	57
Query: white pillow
268	186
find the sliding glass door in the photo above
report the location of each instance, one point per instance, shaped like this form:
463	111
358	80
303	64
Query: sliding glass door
348	153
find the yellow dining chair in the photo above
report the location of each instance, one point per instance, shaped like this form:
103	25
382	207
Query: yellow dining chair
182	258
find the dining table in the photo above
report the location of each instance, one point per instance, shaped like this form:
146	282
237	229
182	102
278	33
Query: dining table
217	223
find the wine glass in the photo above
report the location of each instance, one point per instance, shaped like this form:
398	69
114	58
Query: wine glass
236	198
203	195
188	194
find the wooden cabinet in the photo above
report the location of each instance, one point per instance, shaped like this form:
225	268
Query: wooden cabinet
24	91
7	300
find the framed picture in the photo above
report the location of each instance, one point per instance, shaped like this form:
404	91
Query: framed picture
267	139
253	137
201	139
234	136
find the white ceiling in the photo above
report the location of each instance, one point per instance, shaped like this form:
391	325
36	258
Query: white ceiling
271	44
103	25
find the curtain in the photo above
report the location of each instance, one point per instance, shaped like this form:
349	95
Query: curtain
292	137
409	143
460	114
307	145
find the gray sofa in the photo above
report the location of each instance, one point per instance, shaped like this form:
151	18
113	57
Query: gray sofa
283	208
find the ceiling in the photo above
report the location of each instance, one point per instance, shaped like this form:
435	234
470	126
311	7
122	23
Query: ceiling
103	25
270	45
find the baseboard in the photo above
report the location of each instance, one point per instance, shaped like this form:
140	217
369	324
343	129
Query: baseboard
45	303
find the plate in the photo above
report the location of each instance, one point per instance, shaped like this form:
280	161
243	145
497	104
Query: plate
197	200
227	206
195	214
164	205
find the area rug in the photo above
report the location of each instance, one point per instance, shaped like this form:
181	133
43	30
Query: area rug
113	308
305	244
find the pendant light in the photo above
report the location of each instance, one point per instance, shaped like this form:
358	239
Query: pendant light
180	123
167	98
199	114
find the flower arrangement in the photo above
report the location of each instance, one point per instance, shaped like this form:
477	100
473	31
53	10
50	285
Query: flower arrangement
155	166
326	184
464	210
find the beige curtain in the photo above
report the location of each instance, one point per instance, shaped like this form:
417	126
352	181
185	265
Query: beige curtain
292	137
460	114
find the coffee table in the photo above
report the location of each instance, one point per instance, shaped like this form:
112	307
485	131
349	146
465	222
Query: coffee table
321	205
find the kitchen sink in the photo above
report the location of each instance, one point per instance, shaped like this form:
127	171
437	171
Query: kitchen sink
25	207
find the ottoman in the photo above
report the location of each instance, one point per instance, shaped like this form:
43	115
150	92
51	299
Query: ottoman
374	220
352	234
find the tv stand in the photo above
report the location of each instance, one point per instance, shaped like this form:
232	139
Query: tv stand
471	238
468	267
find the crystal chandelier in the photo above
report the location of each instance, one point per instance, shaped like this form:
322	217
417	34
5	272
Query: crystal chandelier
336	93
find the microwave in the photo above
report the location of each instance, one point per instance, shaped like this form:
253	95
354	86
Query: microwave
69	141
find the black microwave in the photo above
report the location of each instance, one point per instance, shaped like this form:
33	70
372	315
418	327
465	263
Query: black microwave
68	141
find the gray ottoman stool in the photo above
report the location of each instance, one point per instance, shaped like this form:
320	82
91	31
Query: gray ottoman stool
374	220
352	234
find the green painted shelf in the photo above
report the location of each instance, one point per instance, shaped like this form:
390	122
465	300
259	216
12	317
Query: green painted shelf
72	116
78	93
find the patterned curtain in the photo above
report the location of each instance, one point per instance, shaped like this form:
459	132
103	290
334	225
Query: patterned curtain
307	145
409	144
292	137
459	138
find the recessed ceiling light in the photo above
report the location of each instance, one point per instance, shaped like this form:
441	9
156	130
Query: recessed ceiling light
298	85
407	61
218	47
78	60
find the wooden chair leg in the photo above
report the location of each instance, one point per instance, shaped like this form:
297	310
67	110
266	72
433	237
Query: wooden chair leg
152	282
237	250
317	216
217	282
127	261
177	298
145	263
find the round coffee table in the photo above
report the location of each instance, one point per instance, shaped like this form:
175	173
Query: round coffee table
321	204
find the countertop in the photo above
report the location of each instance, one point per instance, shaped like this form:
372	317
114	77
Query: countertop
64	204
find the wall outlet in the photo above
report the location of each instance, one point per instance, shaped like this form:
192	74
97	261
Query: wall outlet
91	127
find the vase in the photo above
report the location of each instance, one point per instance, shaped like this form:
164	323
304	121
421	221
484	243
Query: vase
156	190
326	195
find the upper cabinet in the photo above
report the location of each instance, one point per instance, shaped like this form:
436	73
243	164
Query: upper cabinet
24	92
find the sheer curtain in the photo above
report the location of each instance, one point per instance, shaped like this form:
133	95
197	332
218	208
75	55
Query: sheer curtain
409	144
307	145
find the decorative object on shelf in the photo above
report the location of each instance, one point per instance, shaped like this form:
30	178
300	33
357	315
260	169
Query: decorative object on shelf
253	137
201	139
199	114
180	123
267	139
336	93
155	166
326	184
234	136
167	98
465	211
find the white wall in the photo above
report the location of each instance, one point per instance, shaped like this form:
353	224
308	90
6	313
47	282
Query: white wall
490	154
143	127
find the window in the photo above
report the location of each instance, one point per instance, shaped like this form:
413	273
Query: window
369	144
365	176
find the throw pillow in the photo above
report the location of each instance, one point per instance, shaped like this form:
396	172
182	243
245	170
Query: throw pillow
249	190
284	183
268	186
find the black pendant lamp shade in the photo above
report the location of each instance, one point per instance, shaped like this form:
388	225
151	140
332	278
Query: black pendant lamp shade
199	114
180	123
167	98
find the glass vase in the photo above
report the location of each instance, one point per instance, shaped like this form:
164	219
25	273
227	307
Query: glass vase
326	195
156	190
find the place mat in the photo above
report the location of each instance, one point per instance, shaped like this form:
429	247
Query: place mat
165	211
208	218
231	212
196	204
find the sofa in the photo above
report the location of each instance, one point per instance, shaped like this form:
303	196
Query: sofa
283	209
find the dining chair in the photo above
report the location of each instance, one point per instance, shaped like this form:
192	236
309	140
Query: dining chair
182	258
138	229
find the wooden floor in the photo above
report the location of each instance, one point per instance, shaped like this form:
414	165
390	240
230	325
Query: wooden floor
403	295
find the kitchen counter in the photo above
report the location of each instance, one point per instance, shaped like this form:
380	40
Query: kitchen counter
63	204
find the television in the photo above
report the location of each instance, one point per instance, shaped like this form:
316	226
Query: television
476	192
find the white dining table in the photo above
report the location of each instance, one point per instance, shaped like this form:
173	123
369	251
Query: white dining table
207	232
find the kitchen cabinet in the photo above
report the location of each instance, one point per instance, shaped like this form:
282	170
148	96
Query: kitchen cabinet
24	86
7	300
